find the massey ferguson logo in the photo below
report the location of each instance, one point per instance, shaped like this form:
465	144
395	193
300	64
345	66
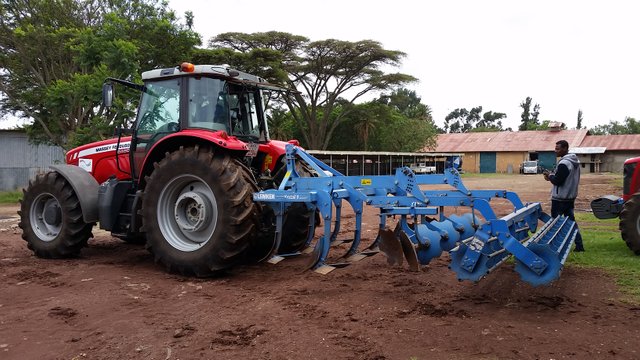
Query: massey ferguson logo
124	148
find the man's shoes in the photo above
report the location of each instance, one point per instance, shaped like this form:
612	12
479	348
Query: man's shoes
579	249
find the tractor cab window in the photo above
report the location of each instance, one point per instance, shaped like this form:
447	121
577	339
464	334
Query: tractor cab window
243	112
159	108
208	106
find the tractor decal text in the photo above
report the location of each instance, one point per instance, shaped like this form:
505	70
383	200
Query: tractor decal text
124	148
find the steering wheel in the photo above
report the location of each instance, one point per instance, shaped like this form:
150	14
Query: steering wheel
169	127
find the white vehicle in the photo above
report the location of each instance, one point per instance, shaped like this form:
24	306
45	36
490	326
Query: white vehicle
530	167
422	168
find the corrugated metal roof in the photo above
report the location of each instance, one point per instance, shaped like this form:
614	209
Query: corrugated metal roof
508	141
613	142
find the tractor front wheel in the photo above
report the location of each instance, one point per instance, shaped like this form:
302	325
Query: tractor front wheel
630	223
198	211
51	218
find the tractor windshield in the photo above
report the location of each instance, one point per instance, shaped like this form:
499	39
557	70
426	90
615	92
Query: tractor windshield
216	104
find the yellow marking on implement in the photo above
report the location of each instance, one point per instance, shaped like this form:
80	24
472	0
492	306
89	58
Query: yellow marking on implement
287	174
365	182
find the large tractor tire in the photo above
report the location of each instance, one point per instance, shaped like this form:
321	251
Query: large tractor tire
630	223
198	211
51	218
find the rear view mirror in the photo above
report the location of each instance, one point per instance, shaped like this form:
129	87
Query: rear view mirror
107	94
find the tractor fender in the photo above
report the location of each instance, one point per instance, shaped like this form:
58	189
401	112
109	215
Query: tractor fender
85	187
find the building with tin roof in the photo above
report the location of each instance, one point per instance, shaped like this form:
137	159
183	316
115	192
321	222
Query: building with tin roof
504	152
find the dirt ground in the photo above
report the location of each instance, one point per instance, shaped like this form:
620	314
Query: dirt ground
114	303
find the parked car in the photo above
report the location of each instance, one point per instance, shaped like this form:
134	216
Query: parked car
530	167
422	168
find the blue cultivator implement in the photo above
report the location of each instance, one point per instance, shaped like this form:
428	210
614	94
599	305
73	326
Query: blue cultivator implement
423	231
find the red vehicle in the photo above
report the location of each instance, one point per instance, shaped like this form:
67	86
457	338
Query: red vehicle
626	207
182	182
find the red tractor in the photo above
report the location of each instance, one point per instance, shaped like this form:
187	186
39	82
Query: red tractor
182	183
627	207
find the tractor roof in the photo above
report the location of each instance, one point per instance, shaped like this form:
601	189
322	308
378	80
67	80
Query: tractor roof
224	71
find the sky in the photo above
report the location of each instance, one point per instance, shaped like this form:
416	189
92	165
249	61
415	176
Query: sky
565	55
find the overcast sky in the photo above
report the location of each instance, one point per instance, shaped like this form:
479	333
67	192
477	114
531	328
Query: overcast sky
566	55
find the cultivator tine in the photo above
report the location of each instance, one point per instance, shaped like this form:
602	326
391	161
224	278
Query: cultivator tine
314	262
275	259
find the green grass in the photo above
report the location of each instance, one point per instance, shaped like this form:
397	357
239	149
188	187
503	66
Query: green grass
606	250
10	197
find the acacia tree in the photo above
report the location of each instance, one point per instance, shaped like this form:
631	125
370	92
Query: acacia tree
55	54
326	74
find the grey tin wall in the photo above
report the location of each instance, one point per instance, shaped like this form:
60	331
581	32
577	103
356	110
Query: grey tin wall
21	161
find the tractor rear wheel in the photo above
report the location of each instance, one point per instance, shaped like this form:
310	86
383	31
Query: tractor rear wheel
630	223
198	211
51	218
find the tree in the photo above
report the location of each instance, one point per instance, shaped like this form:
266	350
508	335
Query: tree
529	119
579	122
457	121
56	54
628	126
490	122
408	103
326	73
280	124
400	133
462	120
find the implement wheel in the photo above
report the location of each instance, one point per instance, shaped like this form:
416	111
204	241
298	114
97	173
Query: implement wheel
198	211
630	223
51	218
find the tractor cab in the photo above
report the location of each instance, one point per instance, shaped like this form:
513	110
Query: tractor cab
204	97
214	103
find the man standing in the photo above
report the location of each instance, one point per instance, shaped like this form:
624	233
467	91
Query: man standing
565	180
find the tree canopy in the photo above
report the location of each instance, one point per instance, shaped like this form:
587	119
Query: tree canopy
462	120
56	54
327	74
628	126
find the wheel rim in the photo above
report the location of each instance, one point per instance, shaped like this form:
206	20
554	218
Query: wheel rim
45	216
638	224
187	212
